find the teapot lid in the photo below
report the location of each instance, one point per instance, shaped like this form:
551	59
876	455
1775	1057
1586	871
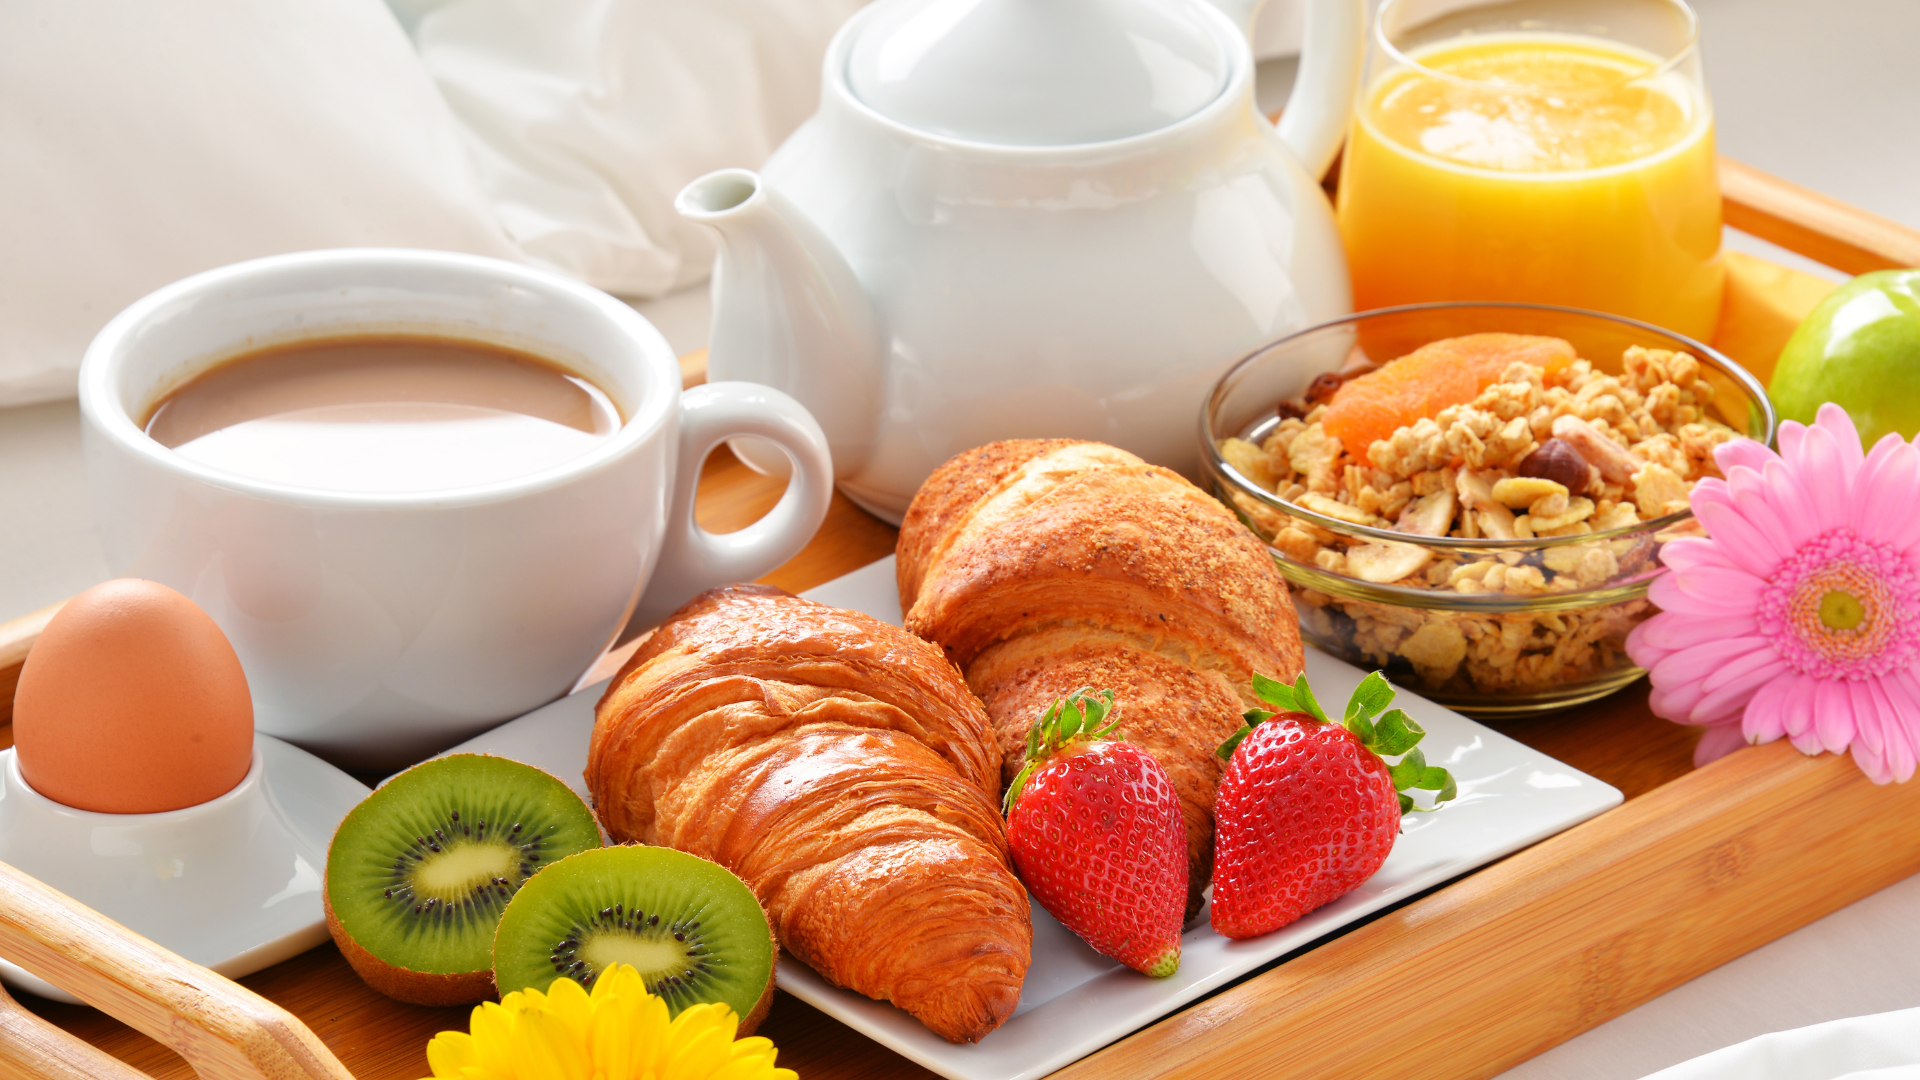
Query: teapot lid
1037	72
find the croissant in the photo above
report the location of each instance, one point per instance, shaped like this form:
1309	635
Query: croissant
1045	565
842	769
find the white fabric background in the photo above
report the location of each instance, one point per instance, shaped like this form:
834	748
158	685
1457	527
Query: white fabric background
1884	1046
142	142
585	117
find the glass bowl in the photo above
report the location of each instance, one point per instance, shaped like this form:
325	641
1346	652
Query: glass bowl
1490	627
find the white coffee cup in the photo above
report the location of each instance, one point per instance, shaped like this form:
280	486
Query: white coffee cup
378	628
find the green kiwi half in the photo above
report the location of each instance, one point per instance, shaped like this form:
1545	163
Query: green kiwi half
693	930
419	872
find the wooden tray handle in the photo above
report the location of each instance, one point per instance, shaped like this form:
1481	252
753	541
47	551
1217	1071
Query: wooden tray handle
32	1047
1818	226
222	1029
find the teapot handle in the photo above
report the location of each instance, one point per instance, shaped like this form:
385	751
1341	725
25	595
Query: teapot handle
1315	120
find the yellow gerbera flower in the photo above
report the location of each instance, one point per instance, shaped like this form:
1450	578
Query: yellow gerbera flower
619	1032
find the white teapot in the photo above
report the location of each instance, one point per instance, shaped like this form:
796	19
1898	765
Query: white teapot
1029	218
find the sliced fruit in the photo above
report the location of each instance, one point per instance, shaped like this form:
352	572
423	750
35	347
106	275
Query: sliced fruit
419	872
1447	372
693	930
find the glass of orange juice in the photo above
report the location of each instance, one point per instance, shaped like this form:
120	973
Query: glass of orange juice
1555	151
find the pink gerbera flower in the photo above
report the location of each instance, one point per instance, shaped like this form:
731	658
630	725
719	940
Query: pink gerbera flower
1799	613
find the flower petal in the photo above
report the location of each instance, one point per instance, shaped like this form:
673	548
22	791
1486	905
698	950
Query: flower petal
1832	715
1658	700
569	1003
1665	592
1685	552
1712	487
1720	587
1696	662
649	1047
1788	437
1729	688
1743	452
1796	712
1681	676
492	1027
1643	652
1837	424
1796	512
1743	542
1765	718
1748	493
743	1069
1872	766
1869	748
1810	449
449	1052
1888	490
543	1048
1717	742
1670	630
700	1051
1900	692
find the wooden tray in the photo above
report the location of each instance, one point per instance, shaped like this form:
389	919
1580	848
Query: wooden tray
1698	867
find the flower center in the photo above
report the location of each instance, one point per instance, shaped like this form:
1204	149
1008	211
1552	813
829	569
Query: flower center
1844	607
1841	610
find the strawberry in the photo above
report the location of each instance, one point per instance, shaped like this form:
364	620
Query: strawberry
1308	809
1095	831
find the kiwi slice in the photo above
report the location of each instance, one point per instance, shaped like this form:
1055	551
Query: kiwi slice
693	930
419	872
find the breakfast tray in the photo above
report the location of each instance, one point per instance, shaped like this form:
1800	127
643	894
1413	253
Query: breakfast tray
1698	866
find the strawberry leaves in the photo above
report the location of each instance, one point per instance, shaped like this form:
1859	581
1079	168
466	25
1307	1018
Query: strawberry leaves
1284	698
1387	732
1081	716
1297	698
1413	773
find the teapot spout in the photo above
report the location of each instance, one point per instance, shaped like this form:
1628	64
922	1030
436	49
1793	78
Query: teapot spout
788	312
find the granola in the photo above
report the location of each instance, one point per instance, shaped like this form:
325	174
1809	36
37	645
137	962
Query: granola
1538	453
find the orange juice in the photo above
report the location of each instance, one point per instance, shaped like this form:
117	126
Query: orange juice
1548	168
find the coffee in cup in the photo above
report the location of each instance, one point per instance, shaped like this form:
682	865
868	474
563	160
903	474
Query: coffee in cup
386	413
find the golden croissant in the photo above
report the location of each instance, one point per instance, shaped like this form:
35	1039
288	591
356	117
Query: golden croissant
1042	566
840	767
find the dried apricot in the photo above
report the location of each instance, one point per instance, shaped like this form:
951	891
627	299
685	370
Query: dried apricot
1451	371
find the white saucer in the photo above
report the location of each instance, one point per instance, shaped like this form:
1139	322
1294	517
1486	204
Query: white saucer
233	883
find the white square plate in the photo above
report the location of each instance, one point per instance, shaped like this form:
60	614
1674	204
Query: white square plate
1075	1001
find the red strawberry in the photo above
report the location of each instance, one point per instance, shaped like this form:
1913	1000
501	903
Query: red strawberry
1308	809
1095	831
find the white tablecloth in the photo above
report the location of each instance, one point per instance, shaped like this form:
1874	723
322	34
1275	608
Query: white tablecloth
1883	1046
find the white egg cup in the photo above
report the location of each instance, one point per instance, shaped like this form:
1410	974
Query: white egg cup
233	883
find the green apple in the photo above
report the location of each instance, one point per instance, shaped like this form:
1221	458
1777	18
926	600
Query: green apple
1861	350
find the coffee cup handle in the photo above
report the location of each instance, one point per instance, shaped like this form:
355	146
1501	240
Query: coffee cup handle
692	559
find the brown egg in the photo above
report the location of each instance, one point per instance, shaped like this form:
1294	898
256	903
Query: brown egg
132	702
